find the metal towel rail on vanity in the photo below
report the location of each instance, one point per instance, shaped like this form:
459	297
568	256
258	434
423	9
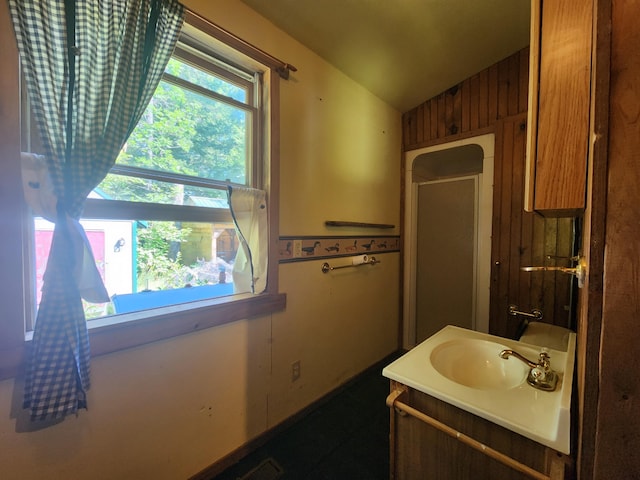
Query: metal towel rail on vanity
393	401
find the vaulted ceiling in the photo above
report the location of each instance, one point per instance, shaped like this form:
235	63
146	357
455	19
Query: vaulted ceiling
404	51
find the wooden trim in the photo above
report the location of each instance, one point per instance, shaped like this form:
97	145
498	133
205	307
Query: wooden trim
124	210
452	138
271	177
12	206
138	329
179	320
337	223
591	297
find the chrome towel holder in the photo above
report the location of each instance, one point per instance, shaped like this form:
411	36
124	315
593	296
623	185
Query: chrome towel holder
326	268
535	313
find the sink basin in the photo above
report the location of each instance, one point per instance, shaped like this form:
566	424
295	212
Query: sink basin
462	367
475	363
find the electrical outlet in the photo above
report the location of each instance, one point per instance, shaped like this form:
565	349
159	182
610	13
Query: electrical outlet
295	370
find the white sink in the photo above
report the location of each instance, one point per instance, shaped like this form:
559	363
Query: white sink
462	367
475	363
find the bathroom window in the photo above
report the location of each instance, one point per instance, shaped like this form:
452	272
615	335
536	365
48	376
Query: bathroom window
159	224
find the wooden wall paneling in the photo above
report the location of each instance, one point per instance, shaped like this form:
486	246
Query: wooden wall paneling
514	84
454	127
517	243
505	231
433	107
483	98
503	88
522	229
474	102
414	125
406	130
593	429
523	77
426	121
420	123
492	99
537	256
502	232
520	239
442	116
465	100
549	278
562	290
449	119
488	100
497	281
472	105
526	258
618	417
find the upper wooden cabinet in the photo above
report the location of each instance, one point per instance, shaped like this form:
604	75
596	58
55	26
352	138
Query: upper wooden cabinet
559	105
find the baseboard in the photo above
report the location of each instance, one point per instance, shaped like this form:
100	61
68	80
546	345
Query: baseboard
234	457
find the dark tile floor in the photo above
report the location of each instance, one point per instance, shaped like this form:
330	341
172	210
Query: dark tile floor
345	438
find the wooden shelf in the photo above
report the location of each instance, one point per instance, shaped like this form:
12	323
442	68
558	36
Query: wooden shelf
336	223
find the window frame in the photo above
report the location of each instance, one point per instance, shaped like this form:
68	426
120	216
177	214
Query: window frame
113	333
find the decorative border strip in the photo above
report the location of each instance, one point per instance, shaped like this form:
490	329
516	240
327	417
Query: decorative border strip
297	249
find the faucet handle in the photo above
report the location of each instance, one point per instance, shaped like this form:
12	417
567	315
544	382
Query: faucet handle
538	374
544	359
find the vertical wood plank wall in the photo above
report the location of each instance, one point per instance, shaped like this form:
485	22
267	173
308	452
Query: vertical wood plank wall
471	106
495	100
523	238
617	420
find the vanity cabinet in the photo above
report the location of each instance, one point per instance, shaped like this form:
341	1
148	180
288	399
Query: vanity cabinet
421	451
559	106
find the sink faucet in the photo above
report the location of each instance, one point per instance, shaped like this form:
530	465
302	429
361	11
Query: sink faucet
540	376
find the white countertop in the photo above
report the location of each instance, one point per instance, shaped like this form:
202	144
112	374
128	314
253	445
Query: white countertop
536	414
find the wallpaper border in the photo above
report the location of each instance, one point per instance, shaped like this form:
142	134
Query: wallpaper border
303	248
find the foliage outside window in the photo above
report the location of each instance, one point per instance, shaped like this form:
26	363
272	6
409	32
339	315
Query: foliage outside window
197	135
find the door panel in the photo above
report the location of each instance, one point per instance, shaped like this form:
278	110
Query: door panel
446	256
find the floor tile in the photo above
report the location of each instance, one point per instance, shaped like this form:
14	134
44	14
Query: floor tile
345	438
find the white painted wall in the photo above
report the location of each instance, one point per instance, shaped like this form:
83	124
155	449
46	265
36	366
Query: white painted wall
170	409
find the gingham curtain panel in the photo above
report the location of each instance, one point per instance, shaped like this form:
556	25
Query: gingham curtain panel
89	80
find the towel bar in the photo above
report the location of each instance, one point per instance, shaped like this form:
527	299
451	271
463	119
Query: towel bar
327	268
393	401
535	313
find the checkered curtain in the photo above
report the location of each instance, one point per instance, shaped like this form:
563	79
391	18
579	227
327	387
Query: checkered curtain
90	68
